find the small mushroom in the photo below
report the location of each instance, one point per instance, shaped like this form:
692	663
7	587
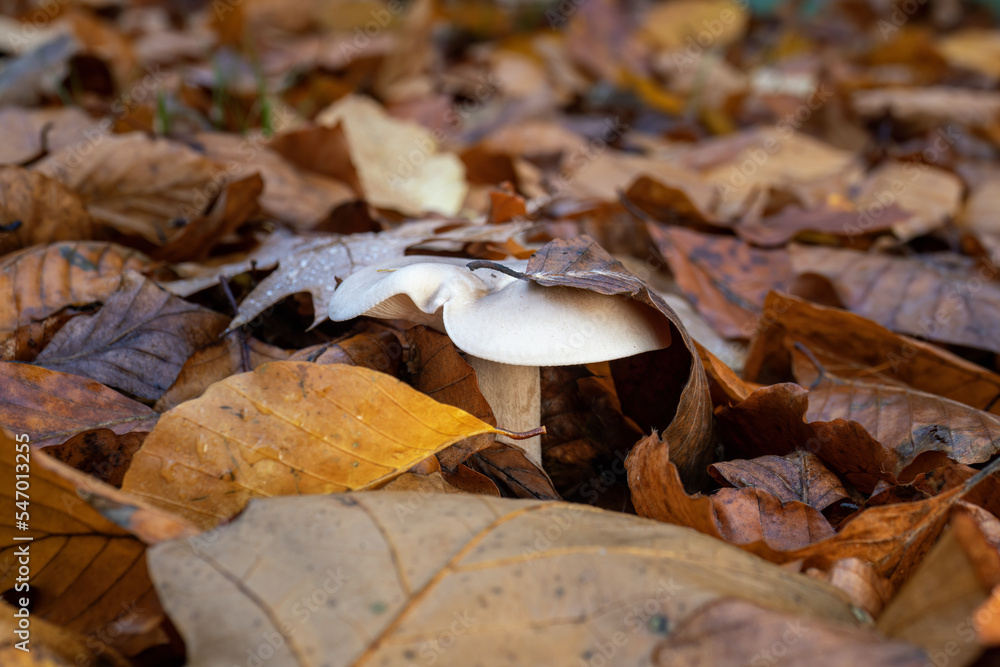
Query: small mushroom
506	324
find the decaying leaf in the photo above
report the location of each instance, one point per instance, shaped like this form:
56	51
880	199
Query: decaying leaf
53	406
723	277
289	427
502	574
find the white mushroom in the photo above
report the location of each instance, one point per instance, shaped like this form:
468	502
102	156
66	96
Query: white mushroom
506	326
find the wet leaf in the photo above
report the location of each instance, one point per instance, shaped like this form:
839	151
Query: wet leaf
330	428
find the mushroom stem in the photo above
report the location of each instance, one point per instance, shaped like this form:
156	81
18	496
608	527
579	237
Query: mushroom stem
515	396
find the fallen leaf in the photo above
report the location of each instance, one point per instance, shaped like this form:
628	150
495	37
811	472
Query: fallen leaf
738	516
931	104
927	297
723	277
139	185
86	570
216	362
974	49
314	263
289	427
39	281
54	407
734	633
438	370
378	349
854	347
25	128
137	342
533	567
417	180
101	453
932	196
513	472
300	198
236	204
908	423
797	476
935	608
35	209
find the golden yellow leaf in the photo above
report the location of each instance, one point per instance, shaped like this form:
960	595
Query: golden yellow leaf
289	428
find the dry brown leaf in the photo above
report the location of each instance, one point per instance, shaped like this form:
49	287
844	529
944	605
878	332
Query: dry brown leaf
87	572
39	210
50	645
138	185
891	538
724	384
40	281
236	204
797	476
745	163
935	608
101	453
513	472
736	633
941	298
932	196
670	26
24	343
377	348
23	130
838	218
981	214
54	406
502	574
438	370
932	105
853	347
738	516
300	198
289	427
216	362
138	340
723	277
908	423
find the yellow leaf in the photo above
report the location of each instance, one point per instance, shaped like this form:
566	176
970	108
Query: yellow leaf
290	428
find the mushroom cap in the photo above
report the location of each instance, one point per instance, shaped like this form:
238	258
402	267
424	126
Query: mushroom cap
494	316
